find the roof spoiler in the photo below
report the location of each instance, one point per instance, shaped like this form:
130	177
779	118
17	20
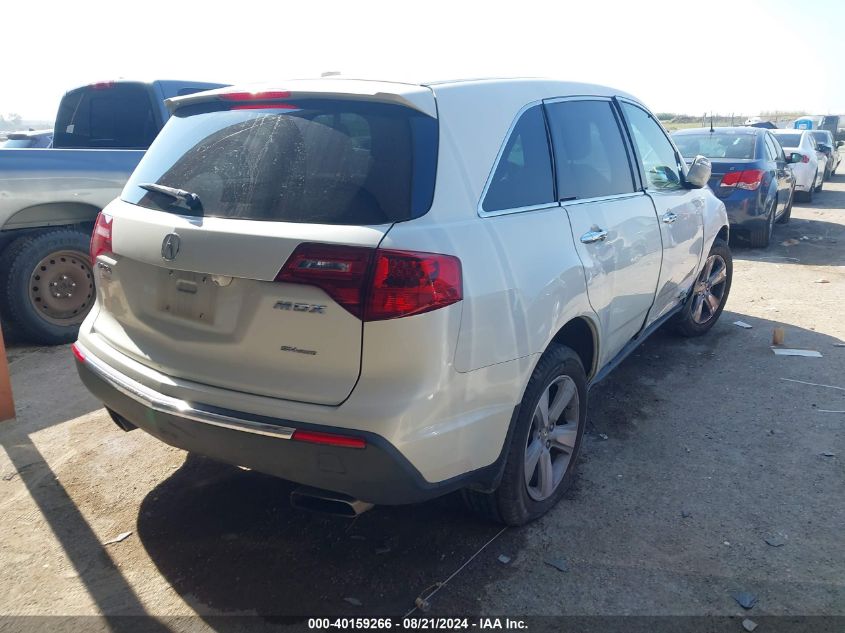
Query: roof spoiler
417	97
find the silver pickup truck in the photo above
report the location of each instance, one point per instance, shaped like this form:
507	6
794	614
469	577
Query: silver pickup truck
49	199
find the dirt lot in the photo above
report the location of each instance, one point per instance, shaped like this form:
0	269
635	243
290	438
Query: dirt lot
697	452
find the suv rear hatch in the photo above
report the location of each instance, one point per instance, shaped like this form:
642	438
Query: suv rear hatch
194	286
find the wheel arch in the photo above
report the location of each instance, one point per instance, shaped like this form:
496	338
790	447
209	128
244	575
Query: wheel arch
52	214
580	334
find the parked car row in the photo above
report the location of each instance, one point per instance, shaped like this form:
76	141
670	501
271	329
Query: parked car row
759	172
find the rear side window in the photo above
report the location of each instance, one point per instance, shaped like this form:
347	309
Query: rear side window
523	175
659	160
774	149
325	161
590	155
119	116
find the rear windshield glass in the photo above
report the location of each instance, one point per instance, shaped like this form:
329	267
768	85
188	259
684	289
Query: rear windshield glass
788	140
325	161
738	146
114	116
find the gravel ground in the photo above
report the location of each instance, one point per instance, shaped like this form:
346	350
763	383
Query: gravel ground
697	452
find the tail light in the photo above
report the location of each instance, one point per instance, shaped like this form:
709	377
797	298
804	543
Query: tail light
805	158
101	237
748	179
377	284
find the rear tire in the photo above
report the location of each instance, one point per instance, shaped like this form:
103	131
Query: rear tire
787	212
762	236
807	196
700	314
46	284
560	380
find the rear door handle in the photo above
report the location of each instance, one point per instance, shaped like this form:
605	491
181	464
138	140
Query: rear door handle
596	235
670	217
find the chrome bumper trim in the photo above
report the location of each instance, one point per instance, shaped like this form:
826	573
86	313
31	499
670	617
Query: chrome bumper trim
173	406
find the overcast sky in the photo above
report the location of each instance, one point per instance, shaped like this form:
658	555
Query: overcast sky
742	56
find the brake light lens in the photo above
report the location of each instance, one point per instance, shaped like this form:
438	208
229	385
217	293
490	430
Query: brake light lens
407	283
77	353
329	439
376	284
271	95
749	179
340	271
805	158
101	237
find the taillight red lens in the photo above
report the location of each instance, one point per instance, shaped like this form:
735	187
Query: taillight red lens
730	180
329	439
376	284
748	179
406	283
805	158
101	237
77	353
340	271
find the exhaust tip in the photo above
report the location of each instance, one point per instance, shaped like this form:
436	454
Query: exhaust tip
325	502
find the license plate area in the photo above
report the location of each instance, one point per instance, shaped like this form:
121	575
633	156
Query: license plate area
186	295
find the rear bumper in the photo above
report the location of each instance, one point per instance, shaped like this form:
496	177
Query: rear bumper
745	209
378	473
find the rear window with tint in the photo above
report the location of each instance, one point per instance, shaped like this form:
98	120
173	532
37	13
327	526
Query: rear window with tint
737	146
325	161
788	140
119	116
523	175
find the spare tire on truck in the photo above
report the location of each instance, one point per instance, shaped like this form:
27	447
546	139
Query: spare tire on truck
47	284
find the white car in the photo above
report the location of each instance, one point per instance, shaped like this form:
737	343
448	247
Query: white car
809	169
386	292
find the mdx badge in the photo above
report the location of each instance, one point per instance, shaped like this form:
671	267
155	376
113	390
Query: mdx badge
170	246
296	306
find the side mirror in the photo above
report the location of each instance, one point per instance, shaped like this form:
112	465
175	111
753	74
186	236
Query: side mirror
839	144
795	157
699	172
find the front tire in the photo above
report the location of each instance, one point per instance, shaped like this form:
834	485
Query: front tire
544	444
47	285
709	294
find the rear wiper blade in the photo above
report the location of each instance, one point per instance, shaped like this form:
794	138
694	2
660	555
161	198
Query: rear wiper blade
188	197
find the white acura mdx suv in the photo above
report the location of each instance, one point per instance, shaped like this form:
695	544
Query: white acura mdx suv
386	292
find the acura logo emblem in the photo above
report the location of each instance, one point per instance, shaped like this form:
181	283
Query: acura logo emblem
170	246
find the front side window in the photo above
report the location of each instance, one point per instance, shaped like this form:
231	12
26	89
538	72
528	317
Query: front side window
523	175
590	156
660	163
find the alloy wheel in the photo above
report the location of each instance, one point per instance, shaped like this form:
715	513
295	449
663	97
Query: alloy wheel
709	289
551	438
